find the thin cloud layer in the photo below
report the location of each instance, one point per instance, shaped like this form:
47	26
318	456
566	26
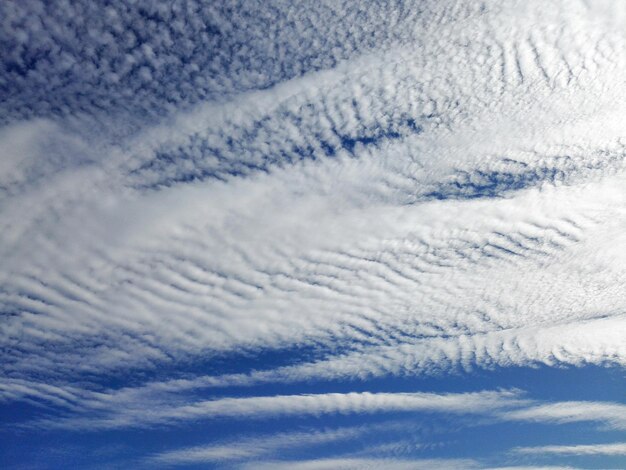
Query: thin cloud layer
583	449
234	211
109	411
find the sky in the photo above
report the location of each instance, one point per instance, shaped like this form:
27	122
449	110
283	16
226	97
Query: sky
313	234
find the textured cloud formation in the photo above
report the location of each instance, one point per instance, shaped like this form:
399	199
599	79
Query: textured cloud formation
612	414
396	190
593	449
350	464
253	447
102	411
190	237
156	57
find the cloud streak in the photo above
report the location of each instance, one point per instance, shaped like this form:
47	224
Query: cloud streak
407	189
581	449
612	415
254	448
105	412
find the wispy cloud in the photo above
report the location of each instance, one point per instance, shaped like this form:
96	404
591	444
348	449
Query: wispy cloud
100	414
253	448
401	189
612	415
353	464
580	449
421	207
533	467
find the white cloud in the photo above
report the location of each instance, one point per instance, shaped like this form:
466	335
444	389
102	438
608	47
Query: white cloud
580	449
101	411
613	415
574	343
337	208
533	467
357	463
253	448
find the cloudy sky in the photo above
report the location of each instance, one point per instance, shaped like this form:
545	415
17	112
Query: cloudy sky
313	234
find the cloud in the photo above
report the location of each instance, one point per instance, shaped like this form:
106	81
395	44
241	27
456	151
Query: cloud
613	415
532	467
254	448
581	449
437	187
571	343
107	412
349	464
413	205
153	59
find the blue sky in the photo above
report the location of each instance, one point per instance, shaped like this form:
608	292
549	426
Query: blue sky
317	235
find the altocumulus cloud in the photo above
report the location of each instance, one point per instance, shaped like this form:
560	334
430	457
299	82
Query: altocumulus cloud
258	231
